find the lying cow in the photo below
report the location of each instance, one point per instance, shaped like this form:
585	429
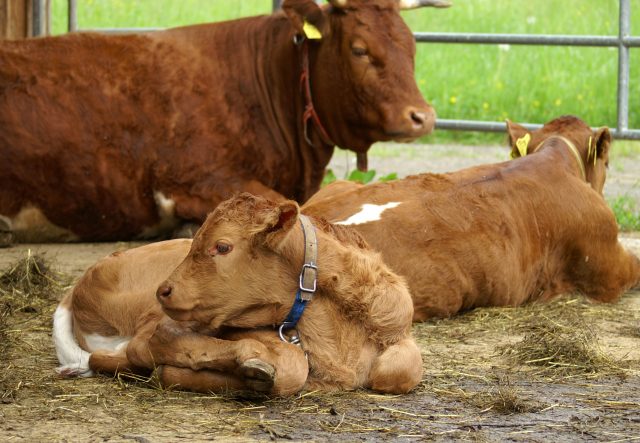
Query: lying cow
497	235
107	137
243	270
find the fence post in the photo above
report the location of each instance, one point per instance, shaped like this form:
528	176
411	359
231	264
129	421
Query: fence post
276	5
623	66
72	12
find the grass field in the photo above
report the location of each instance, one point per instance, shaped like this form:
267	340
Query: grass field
487	82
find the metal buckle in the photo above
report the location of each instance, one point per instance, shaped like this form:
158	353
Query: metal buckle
302	287
294	340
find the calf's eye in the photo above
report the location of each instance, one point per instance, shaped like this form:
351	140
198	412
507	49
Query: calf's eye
220	248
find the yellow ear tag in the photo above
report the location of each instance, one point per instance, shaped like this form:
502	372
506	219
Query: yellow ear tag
311	31
523	144
592	150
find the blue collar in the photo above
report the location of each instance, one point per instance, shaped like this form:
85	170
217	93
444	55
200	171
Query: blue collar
308	282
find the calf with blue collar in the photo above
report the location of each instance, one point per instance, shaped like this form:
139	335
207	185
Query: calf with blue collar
262	299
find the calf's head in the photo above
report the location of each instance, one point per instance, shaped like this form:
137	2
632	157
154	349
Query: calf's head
593	146
362	69
238	271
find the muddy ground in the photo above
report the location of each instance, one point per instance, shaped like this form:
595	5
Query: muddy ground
482	381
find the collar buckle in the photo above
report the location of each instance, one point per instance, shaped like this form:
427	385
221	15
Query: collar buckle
309	270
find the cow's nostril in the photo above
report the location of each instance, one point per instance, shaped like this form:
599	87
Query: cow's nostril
164	291
418	118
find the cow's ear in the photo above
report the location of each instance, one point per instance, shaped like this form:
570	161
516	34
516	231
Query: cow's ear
307	18
602	142
519	138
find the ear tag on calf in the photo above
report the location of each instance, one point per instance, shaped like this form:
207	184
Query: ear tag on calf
310	31
592	150
522	144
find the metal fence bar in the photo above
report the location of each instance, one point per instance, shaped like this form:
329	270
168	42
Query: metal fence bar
488	126
72	12
528	39
39	18
623	66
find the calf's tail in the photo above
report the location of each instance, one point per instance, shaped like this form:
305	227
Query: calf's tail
74	361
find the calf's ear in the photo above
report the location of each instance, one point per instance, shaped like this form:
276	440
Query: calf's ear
307	18
280	218
519	138
602	142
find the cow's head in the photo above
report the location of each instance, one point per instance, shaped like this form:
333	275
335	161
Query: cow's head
362	69
236	273
593	146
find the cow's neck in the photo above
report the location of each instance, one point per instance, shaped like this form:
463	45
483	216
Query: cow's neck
282	103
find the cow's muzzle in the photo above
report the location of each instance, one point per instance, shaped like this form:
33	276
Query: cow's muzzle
414	122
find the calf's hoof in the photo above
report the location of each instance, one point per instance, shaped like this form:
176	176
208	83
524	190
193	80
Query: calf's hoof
258	375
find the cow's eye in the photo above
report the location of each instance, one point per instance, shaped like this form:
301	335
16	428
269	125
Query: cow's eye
221	248
359	51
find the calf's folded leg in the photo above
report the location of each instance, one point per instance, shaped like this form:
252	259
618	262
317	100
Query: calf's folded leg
282	369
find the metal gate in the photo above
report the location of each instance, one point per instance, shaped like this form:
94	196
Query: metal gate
623	41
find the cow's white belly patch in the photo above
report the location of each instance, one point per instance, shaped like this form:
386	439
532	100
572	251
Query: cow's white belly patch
368	213
114	343
167	213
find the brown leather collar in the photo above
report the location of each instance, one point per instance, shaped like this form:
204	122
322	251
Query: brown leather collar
309	110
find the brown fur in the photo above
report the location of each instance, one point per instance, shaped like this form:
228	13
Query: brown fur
356	331
501	234
92	126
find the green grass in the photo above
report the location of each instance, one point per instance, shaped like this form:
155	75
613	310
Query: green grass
627	212
484	82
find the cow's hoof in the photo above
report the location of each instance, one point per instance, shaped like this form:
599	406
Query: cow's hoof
258	375
6	235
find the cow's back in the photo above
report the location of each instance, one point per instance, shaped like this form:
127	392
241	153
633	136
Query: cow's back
477	238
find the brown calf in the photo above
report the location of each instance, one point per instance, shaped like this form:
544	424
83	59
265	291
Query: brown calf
242	271
501	234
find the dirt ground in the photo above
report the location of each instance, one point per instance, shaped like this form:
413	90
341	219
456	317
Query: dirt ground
482	381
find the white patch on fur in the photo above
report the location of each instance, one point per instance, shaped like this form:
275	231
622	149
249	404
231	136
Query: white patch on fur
167	214
31	226
368	213
98	342
74	361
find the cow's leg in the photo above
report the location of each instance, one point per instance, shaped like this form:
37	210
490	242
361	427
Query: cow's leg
6	233
398	369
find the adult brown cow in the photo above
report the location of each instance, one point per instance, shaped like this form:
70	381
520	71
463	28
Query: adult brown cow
254	263
501	234
120	137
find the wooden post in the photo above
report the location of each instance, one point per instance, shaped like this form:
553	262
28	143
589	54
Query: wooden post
24	18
